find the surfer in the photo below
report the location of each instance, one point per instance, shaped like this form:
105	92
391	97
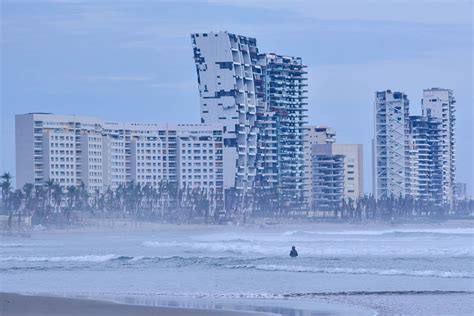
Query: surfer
293	252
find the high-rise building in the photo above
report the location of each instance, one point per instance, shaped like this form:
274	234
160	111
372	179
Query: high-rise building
424	177
337	174
281	93
415	155
328	178
391	144
261	101
314	134
225	65
353	169
440	103
71	150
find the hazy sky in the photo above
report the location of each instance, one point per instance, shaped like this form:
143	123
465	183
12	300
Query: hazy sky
132	60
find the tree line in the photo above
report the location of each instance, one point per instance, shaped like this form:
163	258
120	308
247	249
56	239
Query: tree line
50	203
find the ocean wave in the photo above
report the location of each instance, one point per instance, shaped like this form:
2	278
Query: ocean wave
278	249
13	245
86	258
421	231
388	272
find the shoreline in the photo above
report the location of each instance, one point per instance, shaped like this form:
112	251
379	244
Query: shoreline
35	305
106	225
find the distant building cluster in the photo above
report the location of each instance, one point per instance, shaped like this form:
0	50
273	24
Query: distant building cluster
253	137
415	155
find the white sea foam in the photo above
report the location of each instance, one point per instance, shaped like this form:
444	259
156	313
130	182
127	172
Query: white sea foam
452	231
281	249
288	268
86	258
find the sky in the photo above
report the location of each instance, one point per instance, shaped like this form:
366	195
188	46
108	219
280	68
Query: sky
133	60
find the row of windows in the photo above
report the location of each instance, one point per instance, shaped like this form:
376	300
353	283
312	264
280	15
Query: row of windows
62	145
202	157
54	137
198	170
62	173
62	159
197	164
62	166
62	152
154	145
197	151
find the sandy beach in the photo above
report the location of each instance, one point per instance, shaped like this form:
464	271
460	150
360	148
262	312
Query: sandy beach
24	305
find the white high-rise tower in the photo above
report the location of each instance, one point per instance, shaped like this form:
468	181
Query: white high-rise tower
225	65
391	144
440	103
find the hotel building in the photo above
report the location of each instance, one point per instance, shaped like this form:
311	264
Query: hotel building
70	149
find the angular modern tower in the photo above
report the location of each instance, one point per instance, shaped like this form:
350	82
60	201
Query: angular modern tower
390	144
225	65
440	103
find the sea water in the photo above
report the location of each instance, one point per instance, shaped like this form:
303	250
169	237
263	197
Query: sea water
377	269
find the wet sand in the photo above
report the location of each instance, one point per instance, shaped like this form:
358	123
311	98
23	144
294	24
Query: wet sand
24	305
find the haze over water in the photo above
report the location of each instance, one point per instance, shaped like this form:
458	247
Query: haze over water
417	266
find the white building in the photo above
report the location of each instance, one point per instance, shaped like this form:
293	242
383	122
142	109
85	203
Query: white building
391	144
225	65
353	169
69	150
440	103
313	135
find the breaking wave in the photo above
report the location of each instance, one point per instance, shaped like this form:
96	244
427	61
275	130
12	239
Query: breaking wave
401	232
389	272
281	249
86	258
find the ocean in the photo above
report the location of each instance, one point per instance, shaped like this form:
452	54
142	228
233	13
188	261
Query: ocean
428	270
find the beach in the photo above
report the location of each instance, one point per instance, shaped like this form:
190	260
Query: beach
25	305
355	269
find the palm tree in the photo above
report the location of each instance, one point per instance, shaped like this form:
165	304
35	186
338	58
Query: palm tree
6	191
57	196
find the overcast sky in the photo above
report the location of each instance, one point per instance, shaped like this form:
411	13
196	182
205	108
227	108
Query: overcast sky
132	60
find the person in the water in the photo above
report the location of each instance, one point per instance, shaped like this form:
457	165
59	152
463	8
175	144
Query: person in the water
293	252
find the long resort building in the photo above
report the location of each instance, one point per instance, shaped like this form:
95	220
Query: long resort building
71	150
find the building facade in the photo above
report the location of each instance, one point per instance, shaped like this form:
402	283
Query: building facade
415	155
281	93
353	169
71	150
390	144
225	65
440	103
314	134
261	101
328	178
424	177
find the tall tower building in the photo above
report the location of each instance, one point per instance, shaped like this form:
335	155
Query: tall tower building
226	65
424	179
282	93
314	135
440	103
390	144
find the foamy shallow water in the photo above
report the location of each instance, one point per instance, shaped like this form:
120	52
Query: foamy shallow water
236	263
